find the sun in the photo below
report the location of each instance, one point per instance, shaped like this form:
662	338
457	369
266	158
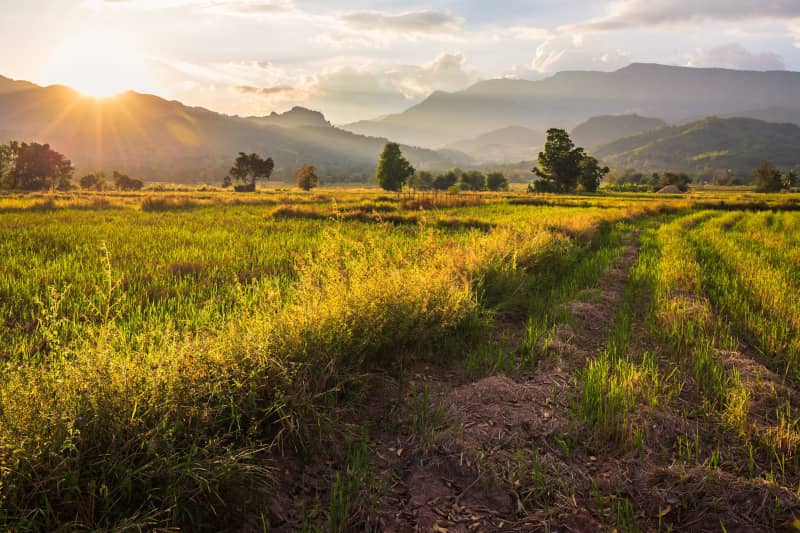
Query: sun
100	64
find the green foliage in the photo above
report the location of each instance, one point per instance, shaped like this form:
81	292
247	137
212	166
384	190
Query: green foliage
306	177
560	161
94	182
444	181
768	178
496	181
33	167
251	167
422	180
591	174
472	181
678	179
124	182
394	170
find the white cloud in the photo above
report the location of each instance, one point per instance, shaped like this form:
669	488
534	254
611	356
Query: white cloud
568	52
345	90
227	7
638	13
410	22
736	56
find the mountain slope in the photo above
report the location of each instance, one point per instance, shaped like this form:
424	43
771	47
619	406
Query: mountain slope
564	100
510	144
737	144
607	128
147	136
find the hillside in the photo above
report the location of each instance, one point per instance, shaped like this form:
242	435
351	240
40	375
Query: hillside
608	128
510	144
162	140
738	144
568	98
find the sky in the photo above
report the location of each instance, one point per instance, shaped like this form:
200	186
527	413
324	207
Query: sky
359	59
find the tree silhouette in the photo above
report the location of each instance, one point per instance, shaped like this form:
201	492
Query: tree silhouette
251	167
35	167
496	181
306	177
591	173
768	178
559	163
393	169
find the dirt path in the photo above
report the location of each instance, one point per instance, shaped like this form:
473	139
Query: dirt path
502	458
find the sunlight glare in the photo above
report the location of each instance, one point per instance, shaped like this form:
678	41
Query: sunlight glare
100	64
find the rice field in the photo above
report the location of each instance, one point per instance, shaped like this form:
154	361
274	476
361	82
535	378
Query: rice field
354	361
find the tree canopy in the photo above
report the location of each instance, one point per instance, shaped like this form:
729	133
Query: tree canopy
496	181
34	167
768	178
560	162
251	167
306	177
591	173
394	170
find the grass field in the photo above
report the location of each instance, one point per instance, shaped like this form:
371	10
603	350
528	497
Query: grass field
349	360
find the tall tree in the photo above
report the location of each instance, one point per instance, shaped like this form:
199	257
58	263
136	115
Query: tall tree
768	178
251	167
306	177
559	163
37	167
393	169
591	173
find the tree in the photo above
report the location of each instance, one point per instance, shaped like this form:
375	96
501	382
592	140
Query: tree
422	180
393	169
251	167
36	167
6	166
446	180
227	182
768	178
591	174
124	182
306	177
678	179
559	164
473	181
496	181
791	180
94	182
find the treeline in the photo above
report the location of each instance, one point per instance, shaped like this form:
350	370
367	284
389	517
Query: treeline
37	167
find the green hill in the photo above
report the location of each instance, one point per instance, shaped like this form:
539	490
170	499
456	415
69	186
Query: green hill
607	128
736	144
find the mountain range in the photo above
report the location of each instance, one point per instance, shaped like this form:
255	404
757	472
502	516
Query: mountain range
673	94
643	115
160	140
737	145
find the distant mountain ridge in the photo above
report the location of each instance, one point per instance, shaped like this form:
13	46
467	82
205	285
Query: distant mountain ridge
161	140
607	128
506	145
564	100
735	144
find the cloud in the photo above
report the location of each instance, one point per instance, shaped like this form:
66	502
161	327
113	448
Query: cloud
227	7
353	89
576	52
736	56
638	13
411	22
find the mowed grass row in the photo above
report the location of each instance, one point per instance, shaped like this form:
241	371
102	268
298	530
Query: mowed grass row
159	359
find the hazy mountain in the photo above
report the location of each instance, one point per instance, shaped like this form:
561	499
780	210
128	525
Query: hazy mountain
607	128
150	137
566	99
772	114
511	144
738	144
